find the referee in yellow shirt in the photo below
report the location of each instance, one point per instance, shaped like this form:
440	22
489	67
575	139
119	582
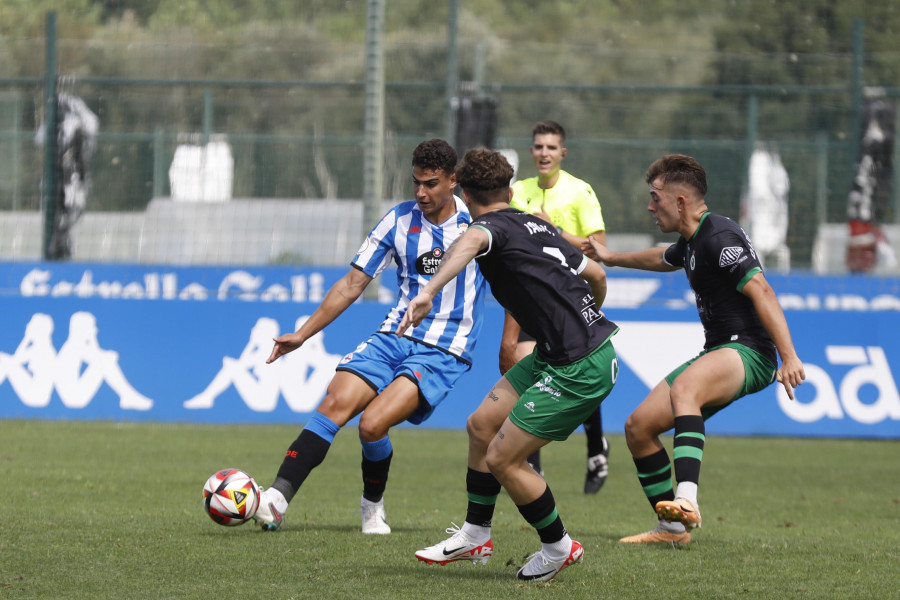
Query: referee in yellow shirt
572	207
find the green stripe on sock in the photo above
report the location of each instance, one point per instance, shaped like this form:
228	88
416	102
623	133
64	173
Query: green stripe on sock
687	452
655	489
692	434
659	472
486	500
546	520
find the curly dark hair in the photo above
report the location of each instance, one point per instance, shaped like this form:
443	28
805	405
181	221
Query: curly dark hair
678	168
484	175
435	155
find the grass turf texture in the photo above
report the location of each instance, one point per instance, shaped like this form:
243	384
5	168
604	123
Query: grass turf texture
111	510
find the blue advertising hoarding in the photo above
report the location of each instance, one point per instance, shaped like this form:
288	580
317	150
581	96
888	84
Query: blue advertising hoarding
188	344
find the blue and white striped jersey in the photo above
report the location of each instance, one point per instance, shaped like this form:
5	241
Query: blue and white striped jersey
417	246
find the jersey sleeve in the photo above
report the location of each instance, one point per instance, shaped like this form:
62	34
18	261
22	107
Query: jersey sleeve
377	249
496	233
674	254
735	258
490	241
582	265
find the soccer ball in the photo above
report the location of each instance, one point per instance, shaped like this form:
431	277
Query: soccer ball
230	497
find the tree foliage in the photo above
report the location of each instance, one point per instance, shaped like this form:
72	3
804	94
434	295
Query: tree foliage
776	43
543	59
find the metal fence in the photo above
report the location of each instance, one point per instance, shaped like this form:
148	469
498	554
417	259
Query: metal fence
302	141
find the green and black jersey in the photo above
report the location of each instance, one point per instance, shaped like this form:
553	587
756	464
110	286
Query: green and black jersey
533	273
718	260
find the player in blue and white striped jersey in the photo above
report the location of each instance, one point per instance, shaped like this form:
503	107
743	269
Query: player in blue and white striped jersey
406	236
389	379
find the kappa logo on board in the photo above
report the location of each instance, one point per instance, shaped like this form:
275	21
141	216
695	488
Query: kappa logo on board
76	372
301	376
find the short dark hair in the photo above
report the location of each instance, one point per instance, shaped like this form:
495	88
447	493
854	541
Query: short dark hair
484	175
435	155
549	127
678	168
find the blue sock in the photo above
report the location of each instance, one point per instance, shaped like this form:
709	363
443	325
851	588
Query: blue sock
378	450
323	427
305	454
376	464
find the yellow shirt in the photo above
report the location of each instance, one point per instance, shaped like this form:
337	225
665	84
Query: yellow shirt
571	203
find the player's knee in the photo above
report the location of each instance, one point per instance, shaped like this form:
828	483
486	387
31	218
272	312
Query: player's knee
683	397
496	462
372	429
630	428
472	427
636	433
336	408
479	429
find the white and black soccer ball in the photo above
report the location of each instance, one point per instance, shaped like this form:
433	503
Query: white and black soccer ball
230	497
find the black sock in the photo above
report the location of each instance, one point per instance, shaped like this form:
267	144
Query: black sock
593	430
655	474
305	454
482	489
375	475
284	486
542	515
534	459
690	437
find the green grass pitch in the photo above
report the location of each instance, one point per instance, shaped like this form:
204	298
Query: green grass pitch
113	510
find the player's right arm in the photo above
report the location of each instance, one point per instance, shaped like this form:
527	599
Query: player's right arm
651	259
466	247
341	295
594	274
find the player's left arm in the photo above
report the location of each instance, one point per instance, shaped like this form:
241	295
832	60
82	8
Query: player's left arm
509	343
791	373
466	247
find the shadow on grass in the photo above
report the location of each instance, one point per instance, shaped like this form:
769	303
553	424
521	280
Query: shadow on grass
462	571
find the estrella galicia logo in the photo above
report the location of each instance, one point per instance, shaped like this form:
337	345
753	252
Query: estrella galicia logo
428	263
730	255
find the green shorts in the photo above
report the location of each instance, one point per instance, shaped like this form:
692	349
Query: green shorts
759	372
554	401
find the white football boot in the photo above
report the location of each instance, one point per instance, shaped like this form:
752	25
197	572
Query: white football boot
374	520
459	546
541	568
272	507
